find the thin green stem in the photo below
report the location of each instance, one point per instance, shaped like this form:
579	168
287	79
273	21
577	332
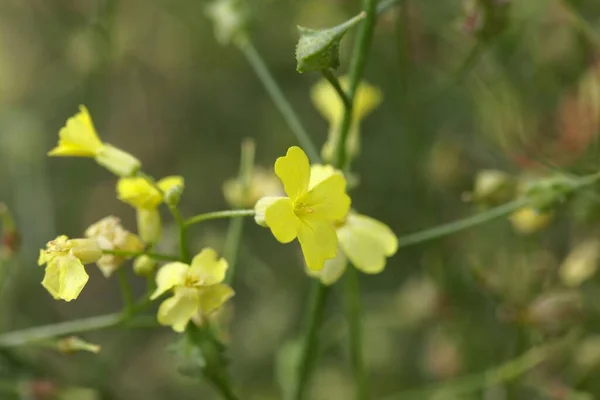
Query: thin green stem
126	293
310	351
184	251
469	384
460	225
217	215
337	86
354	315
282	104
357	67
385	5
156	256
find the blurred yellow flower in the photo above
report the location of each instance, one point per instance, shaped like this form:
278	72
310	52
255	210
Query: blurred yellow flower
145	197
197	289
110	235
315	201
528	220
328	103
78	138
581	264
262	183
65	274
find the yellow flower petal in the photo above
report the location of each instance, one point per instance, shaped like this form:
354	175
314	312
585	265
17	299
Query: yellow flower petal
328	199
213	297
294	171
318	173
528	220
169	182
327	101
168	276
78	138
177	311
332	270
139	193
42	257
65	277
281	219
319	242
367	98
367	242
207	268
117	161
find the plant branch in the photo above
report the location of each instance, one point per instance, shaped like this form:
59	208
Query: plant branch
217	215
184	252
336	85
156	256
282	104
354	312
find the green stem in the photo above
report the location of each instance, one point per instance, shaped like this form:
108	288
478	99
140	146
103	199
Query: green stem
156	256
460	225
184	251
217	215
354	314
385	5
126	292
309	353
460	387
357	67
337	86
282	104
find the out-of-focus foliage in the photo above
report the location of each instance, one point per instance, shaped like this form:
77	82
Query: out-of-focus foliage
468	86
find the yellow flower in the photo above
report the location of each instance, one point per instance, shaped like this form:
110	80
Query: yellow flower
197	288
528	220
315	201
262	184
145	197
65	274
78	138
329	104
110	235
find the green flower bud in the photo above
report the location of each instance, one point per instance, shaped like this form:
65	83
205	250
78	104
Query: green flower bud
144	265
230	19
173	195
320	49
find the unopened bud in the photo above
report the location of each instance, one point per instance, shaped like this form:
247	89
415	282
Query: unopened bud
74	344
581	263
230	19
528	220
261	208
149	225
555	310
144	265
173	195
493	187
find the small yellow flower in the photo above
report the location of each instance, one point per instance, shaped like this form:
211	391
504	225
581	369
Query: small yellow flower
197	289
315	201
78	138
329	104
65	274
528	220
145	197
110	235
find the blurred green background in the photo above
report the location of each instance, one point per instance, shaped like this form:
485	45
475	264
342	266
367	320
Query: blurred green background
467	85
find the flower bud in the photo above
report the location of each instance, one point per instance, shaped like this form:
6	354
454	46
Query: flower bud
528	220
144	265
117	161
149	224
320	49
581	263
74	344
173	195
493	187
554	311
230	19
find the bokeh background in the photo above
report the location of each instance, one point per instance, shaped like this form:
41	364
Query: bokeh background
467	86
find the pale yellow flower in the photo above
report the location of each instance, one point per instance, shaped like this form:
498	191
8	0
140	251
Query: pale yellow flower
197	289
309	212
65	274
78	138
262	183
145	197
110	235
581	264
328	103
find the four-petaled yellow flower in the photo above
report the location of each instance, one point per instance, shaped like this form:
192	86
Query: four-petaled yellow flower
197	289
146	197
315	201
78	138
329	104
65	274
110	235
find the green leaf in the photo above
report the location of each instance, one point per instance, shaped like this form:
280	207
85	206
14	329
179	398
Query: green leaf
320	49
